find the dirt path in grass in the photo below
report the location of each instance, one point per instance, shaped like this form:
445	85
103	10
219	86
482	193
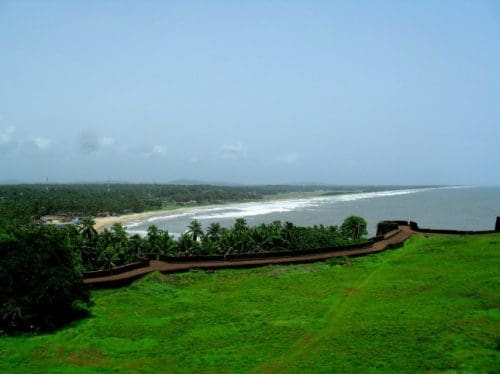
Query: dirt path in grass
300	350
168	267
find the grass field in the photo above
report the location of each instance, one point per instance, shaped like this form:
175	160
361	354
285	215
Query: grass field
432	305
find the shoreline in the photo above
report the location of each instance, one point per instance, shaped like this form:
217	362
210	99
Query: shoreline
102	223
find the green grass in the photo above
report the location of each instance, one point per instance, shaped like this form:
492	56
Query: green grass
432	305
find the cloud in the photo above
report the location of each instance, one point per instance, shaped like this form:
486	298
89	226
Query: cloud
289	158
6	135
42	143
232	151
105	141
157	150
88	142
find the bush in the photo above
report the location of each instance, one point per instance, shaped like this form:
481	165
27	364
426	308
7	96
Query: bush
353	227
41	284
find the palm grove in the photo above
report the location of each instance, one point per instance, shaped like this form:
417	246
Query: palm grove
113	247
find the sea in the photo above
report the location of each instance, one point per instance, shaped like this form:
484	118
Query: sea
465	208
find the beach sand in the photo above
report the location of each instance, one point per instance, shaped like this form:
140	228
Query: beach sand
102	223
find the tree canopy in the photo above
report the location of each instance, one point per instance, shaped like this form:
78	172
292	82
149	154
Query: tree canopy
40	279
353	227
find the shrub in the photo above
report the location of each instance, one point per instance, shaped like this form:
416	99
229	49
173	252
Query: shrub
41	284
353	227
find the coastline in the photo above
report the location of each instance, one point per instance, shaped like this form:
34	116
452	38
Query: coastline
124	219
102	223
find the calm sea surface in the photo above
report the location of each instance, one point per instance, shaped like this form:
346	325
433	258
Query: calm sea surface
471	208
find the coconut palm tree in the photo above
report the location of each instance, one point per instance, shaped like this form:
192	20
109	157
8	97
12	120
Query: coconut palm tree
261	238
109	257
275	235
87	229
165	241
289	235
136	245
153	233
119	232
209	246
154	240
240	224
195	230
119	238
214	231
185	244
241	238
226	241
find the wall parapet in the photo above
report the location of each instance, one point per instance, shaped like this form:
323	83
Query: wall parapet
116	270
414	226
116	277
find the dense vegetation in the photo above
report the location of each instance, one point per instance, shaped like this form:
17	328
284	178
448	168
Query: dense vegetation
30	202
40	279
41	265
34	201
113	247
431	306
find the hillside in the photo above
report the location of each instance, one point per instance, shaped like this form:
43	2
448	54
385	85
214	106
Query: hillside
431	305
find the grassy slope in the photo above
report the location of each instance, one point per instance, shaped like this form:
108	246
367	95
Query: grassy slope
431	305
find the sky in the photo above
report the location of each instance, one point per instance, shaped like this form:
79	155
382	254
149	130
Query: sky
250	92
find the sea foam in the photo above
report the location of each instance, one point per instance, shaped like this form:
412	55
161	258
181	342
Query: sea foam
240	210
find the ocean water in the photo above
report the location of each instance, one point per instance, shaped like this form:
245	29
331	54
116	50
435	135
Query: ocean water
467	208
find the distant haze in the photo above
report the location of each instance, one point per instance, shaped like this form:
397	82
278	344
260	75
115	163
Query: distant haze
340	92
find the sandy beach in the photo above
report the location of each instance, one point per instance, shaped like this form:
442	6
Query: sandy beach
102	223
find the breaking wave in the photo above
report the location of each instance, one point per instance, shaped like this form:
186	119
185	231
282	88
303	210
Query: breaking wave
240	210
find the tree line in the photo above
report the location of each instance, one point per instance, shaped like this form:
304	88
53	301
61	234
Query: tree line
27	203
113	247
30	202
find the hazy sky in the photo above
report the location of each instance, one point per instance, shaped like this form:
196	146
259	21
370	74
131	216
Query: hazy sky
343	92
